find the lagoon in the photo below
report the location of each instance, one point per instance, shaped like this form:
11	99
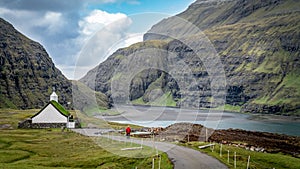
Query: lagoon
164	116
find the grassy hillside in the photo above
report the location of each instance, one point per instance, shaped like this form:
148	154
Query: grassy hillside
51	148
258	45
257	159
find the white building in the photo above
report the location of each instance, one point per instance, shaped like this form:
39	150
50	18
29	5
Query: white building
53	115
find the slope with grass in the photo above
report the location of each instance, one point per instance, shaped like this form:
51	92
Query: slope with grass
257	159
52	148
257	42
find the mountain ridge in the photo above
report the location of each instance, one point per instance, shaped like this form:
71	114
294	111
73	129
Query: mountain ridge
28	76
27	72
258	44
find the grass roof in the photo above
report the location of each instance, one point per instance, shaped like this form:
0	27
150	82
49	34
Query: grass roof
60	108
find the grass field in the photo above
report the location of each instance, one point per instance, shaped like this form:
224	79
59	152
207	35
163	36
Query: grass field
52	148
258	160
165	100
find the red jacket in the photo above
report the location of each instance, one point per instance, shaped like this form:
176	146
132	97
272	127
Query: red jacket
128	130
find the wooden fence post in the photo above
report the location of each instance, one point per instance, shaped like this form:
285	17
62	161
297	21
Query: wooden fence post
248	162
234	159
228	156
152	163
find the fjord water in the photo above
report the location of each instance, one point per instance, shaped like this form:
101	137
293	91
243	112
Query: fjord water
163	117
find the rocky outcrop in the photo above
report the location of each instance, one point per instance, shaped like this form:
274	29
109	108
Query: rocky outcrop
257	43
27	73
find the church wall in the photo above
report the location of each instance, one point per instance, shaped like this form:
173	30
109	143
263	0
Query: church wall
50	115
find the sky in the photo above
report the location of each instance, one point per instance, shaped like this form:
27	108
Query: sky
68	28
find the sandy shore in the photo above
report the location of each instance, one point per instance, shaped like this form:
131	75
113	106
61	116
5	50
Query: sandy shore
273	118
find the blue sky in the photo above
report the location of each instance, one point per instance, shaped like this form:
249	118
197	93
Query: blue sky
65	27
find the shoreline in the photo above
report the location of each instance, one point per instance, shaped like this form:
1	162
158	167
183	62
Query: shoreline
154	116
273	118
256	116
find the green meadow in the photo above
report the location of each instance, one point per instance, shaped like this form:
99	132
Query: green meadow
53	148
258	160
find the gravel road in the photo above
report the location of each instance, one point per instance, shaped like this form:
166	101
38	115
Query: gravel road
182	157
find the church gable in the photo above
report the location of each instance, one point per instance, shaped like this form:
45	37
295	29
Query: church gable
50	114
53	115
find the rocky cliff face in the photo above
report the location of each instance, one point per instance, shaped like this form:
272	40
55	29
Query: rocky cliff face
27	73
257	43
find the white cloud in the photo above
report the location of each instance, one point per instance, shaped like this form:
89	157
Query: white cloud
22	20
102	33
56	31
28	21
96	20
53	21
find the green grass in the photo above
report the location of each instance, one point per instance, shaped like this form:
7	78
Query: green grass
287	92
4	102
149	44
257	159
165	100
229	108
119	126
11	117
91	121
95	110
51	148
87	98
60	108
115	146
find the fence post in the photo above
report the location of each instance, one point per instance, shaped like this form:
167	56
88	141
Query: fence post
152	163
206	139
248	162
234	159
228	156
213	147
221	150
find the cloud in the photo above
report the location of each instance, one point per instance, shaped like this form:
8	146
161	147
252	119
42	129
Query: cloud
52	21
64	28
96	20
101	33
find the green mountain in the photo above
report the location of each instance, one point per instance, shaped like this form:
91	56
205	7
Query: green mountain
27	73
258	44
28	76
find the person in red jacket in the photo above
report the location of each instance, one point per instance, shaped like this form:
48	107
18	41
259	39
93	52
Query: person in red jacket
128	130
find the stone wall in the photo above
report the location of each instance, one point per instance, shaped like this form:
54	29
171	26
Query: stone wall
28	124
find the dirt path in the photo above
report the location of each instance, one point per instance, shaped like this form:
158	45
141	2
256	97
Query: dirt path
182	157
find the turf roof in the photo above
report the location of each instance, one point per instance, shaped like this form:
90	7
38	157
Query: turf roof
60	108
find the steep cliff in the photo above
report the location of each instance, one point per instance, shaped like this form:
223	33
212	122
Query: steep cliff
27	73
258	44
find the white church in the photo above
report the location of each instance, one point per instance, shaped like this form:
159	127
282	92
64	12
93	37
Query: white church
53	115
